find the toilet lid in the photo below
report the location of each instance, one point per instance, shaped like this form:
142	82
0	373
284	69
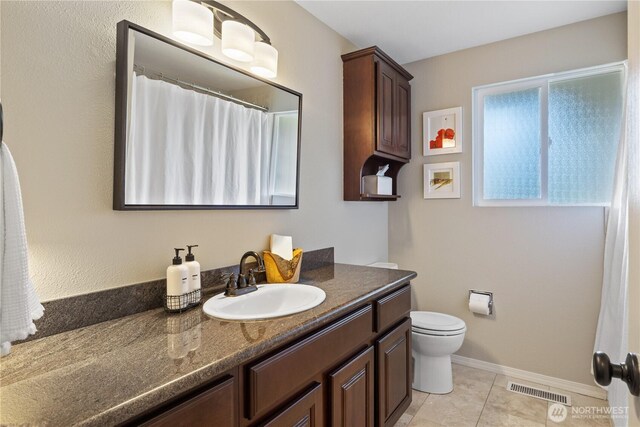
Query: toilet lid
433	321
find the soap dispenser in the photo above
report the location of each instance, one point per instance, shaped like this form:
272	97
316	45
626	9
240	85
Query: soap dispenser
194	276
177	283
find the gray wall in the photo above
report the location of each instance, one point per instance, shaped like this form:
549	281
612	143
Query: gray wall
543	264
58	79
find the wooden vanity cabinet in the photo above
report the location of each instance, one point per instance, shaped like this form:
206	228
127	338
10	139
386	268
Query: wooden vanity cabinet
377	119
353	372
362	361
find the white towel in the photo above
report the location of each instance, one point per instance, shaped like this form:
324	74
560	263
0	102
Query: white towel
19	305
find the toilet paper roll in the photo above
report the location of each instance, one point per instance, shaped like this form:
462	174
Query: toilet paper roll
479	303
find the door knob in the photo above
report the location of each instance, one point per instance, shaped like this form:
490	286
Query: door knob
629	372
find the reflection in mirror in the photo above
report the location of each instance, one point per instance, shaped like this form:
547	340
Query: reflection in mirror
195	133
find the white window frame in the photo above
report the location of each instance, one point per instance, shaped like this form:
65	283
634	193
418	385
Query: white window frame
541	82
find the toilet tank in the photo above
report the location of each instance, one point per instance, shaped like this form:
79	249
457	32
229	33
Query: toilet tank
391	265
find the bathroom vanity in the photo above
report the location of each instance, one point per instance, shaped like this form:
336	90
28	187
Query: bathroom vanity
344	362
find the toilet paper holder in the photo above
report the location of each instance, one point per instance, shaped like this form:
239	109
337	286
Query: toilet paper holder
490	294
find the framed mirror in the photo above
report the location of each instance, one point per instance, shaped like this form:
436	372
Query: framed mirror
193	133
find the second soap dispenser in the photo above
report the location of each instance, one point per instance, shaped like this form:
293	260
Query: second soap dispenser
194	276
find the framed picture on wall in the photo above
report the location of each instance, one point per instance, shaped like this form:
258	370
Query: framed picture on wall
442	131
442	180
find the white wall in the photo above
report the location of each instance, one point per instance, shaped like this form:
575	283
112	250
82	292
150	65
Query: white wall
543	264
58	79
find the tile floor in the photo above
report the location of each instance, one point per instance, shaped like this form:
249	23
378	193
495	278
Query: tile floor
480	398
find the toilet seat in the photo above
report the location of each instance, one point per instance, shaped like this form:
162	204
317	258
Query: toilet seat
438	324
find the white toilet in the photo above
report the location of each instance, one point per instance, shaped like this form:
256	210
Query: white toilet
435	337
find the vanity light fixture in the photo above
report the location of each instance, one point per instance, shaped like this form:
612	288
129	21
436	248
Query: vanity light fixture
241	39
192	22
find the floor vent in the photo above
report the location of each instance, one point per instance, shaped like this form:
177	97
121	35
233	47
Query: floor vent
539	393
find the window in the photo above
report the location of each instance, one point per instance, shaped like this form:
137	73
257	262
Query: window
284	157
549	140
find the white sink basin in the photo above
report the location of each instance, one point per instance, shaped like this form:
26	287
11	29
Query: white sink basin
273	300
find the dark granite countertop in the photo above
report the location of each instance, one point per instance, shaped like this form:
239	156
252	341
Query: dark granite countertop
112	371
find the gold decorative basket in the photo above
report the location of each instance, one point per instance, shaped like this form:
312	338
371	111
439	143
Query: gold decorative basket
280	270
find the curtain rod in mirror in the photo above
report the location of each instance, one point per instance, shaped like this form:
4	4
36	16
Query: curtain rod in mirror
138	69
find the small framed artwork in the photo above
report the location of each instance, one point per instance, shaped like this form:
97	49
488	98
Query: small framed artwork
442	180
442	131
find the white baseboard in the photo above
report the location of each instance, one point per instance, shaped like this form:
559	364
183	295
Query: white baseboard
587	390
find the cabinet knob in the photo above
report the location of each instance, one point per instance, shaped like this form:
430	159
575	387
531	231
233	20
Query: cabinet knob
629	372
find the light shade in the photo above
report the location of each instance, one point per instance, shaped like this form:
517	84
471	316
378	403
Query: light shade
237	41
192	22
265	61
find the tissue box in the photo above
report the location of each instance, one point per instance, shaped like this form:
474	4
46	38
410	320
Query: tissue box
374	184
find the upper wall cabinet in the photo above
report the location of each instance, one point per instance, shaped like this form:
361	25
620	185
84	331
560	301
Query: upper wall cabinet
377	120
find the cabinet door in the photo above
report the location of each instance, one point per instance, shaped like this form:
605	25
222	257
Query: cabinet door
394	373
352	389
386	114
305	411
403	117
214	407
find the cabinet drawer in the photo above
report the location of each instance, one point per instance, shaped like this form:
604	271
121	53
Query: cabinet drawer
392	308
280	376
306	411
214	407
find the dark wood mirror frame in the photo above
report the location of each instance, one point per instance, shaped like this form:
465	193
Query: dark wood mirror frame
121	124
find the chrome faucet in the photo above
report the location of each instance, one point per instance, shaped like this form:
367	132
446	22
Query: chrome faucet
244	285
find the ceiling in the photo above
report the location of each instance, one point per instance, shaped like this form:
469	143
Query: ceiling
412	30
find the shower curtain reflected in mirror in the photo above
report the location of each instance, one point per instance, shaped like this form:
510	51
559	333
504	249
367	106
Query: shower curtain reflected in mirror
189	148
